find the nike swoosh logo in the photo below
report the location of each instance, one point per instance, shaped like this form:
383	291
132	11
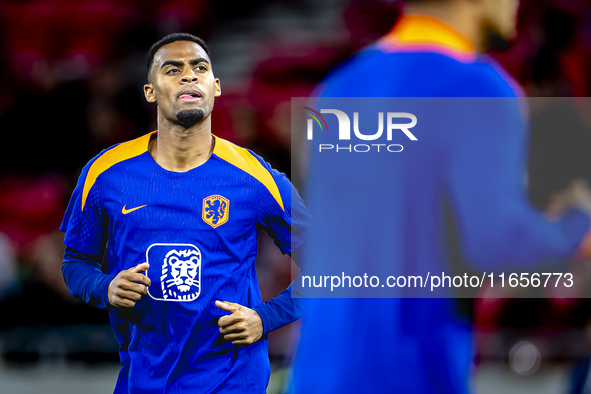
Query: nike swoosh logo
126	211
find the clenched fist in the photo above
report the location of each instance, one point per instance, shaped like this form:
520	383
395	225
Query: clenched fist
243	327
128	286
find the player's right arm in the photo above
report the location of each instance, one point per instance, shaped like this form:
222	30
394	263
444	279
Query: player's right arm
85	280
86	226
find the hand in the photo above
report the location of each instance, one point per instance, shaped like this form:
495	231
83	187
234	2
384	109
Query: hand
578	195
124	291
243	327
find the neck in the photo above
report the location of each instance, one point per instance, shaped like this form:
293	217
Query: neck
179	149
461	16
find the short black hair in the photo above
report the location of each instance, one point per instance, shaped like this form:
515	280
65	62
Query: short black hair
172	37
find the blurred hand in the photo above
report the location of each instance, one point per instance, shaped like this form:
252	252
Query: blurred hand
243	327
578	195
128	286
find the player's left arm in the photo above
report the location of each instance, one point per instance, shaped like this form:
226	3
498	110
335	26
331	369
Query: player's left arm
285	218
245	326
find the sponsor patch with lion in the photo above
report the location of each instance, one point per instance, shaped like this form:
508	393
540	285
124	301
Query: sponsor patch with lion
175	272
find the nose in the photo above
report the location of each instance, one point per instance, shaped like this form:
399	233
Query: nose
189	78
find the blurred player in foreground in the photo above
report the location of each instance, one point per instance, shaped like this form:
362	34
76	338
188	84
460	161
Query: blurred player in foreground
180	210
424	345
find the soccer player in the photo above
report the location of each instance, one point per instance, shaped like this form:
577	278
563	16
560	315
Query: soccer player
473	174
180	210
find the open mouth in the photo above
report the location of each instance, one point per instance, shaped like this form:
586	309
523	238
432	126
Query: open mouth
191	95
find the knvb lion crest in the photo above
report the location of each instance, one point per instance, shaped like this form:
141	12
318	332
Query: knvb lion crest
175	272
216	210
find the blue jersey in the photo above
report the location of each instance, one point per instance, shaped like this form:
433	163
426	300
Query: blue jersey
420	345
198	231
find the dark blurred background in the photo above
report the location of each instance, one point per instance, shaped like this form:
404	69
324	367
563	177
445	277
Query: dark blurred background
71	77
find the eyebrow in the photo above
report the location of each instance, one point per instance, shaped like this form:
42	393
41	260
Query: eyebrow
178	64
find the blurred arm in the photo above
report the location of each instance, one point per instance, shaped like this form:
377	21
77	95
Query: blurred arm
497	225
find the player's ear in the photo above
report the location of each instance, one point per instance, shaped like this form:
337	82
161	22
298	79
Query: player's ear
218	88
149	93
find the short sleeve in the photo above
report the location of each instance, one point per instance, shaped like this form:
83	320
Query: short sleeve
86	229
284	219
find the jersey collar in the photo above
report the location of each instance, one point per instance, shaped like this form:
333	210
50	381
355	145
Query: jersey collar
421	33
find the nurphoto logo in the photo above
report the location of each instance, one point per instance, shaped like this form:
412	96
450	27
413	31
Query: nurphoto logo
344	134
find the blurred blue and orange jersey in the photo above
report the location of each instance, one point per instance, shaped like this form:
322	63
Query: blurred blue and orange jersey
421	345
198	231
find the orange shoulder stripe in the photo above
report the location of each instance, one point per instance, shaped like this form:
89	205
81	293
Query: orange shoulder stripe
121	152
241	158
421	32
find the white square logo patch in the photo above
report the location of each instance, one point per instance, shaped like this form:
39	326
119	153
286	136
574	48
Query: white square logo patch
175	272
